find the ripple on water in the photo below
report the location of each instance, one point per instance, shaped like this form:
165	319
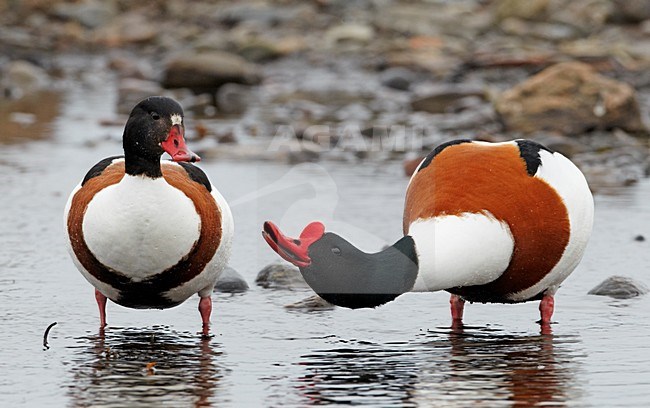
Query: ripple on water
458	367
144	366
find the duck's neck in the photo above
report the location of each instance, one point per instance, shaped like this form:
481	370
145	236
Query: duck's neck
140	166
366	280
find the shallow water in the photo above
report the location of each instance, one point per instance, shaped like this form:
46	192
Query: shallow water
401	354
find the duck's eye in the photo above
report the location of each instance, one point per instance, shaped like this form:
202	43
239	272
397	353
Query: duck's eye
336	251
155	115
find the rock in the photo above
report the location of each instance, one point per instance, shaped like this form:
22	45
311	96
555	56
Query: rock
619	287
397	78
208	71
89	13
280	276
546	31
264	14
588	16
630	11
214	40
234	98
231	281
227	138
614	159
529	10
443	99
639	238
433	19
311	303
22	78
358	34
127	66
129	28
259	50
131	91
569	98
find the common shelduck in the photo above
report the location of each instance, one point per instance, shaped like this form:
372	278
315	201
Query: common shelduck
488	222
148	233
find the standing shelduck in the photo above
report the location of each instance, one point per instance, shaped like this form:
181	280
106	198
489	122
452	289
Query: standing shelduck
487	222
148	233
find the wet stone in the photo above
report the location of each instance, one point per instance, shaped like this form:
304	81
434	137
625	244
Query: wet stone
90	13
570	98
280	276
311	303
530	10
234	98
444	99
231	281
619	287
630	11
397	78
21	78
208	71
349	34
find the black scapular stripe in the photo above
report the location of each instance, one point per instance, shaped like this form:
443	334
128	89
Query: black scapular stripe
529	152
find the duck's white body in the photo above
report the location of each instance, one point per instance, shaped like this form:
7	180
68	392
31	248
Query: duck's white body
460	250
140	227
148	233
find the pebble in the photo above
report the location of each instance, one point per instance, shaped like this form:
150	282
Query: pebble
444	98
234	98
231	281
619	287
397	78
207	71
630	11
529	10
359	34
280	276
90	13
311	303
129	28
22	78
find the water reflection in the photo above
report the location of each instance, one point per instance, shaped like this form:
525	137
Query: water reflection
452	366
144	366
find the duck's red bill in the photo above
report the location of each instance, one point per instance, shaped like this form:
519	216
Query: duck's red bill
175	146
294	250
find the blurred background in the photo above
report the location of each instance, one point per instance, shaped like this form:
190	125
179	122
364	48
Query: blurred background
344	80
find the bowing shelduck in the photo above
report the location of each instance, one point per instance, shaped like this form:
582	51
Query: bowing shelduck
487	222
148	233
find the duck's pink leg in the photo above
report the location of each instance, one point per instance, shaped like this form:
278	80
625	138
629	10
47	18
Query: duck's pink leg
101	303
457	307
205	308
546	307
